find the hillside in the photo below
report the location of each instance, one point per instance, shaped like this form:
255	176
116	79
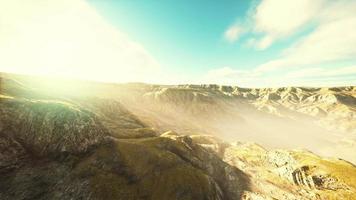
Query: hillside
65	139
322	120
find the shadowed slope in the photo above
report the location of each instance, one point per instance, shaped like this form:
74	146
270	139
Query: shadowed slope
64	150
98	142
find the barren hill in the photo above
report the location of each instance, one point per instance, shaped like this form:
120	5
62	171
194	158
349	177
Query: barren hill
66	139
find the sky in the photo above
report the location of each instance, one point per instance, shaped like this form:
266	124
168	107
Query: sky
256	43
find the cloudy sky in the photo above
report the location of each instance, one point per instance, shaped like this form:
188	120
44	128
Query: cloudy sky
264	43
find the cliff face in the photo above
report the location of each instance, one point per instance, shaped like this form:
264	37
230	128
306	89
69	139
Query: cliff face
286	174
112	142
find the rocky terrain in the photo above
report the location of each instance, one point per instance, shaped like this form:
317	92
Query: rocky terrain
65	139
322	120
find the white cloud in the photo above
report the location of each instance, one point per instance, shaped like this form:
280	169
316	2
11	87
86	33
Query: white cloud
333	40
315	76
68	38
320	72
233	33
259	44
272	20
219	76
280	18
321	76
229	76
222	72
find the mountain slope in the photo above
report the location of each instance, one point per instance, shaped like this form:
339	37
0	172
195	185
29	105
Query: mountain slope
106	141
55	149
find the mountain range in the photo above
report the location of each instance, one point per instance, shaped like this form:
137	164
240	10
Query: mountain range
70	139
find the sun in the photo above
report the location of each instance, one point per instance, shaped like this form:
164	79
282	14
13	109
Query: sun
68	39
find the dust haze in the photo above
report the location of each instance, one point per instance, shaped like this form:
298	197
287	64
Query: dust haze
208	109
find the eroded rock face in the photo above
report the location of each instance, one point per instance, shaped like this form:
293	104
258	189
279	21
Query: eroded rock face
328	182
48	127
283	174
286	174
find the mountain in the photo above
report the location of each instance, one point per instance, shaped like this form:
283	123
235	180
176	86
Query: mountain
68	139
322	120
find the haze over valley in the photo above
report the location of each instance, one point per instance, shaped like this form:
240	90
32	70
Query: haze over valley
75	120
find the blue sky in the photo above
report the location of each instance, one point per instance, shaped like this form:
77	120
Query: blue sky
258	43
187	36
191	37
184	35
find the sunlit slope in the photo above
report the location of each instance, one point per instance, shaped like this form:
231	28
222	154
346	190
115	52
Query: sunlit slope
67	149
333	108
318	119
283	174
105	141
